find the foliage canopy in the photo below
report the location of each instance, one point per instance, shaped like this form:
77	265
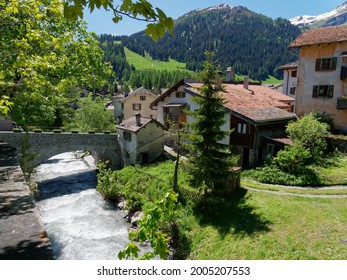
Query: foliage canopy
139	10
45	59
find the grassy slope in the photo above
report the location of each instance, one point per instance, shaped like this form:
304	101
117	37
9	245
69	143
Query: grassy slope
142	63
262	225
269	226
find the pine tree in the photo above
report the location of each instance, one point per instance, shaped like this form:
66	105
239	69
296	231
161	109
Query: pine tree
210	160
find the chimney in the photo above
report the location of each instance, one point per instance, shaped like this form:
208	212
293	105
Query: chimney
230	74
245	82
138	119
218	79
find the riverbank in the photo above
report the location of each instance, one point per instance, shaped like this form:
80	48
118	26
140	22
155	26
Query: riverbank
22	235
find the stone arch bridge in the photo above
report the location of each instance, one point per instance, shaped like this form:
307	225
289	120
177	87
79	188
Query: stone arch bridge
48	144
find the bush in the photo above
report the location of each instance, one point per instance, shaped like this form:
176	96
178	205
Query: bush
309	133
270	174
292	159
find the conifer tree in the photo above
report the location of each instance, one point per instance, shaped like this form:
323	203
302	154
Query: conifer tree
210	160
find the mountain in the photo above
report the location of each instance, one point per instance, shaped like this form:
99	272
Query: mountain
251	43
335	17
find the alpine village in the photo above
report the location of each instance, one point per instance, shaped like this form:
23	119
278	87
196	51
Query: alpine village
221	137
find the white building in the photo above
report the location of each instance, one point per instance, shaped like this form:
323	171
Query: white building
142	139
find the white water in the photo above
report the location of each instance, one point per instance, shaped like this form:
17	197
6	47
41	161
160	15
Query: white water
79	223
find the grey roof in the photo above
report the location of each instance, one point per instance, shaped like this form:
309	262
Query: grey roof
130	124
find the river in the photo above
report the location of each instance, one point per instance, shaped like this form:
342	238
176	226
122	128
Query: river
79	223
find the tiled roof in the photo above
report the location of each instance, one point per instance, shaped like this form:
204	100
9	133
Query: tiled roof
130	124
258	103
320	36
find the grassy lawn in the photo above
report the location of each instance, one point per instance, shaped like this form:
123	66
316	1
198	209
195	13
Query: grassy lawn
252	224
335	174
142	63
259	225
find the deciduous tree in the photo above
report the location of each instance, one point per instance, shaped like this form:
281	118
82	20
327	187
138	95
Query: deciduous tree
141	10
43	56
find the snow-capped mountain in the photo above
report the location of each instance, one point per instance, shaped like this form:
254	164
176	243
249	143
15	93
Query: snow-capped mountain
335	17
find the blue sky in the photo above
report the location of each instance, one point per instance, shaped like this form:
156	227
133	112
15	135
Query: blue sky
101	22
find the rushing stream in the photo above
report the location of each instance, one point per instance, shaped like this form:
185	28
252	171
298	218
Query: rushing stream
79	223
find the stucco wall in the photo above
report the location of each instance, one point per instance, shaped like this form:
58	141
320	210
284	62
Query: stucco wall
308	77
145	111
191	105
149	139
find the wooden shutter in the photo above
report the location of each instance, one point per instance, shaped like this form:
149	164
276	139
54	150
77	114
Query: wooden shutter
330	91
333	63
315	92
317	64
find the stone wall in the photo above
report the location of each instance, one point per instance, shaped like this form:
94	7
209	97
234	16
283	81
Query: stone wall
48	144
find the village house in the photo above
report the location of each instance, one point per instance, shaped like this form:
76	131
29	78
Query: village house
142	139
290	78
322	73
137	101
257	114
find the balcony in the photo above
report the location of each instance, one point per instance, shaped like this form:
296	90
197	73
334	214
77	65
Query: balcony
342	103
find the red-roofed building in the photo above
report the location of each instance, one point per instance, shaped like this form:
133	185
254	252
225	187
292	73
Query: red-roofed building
252	111
322	73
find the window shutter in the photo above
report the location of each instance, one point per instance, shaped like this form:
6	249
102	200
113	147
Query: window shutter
317	64
315	92
330	91
333	63
343	74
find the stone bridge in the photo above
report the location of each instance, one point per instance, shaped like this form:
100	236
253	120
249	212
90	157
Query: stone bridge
48	144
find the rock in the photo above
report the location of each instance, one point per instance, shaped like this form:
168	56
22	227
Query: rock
135	218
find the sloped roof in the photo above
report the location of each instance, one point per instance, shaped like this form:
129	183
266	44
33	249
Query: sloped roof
257	103
292	65
321	35
130	124
140	90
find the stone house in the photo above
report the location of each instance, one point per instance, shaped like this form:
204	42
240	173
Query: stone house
322	73
137	101
142	139
256	114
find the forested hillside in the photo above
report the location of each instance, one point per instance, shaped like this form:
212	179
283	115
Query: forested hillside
128	74
251	43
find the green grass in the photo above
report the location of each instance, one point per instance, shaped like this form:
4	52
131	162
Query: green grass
272	80
315	191
251	224
335	173
259	225
142	63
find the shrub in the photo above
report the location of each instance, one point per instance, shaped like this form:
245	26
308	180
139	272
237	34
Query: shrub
309	133
292	159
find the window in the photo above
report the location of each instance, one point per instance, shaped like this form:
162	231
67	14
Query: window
326	91
137	106
326	64
292	90
127	136
180	94
294	73
142	97
242	128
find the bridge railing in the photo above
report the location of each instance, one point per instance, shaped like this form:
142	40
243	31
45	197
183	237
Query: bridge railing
58	130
